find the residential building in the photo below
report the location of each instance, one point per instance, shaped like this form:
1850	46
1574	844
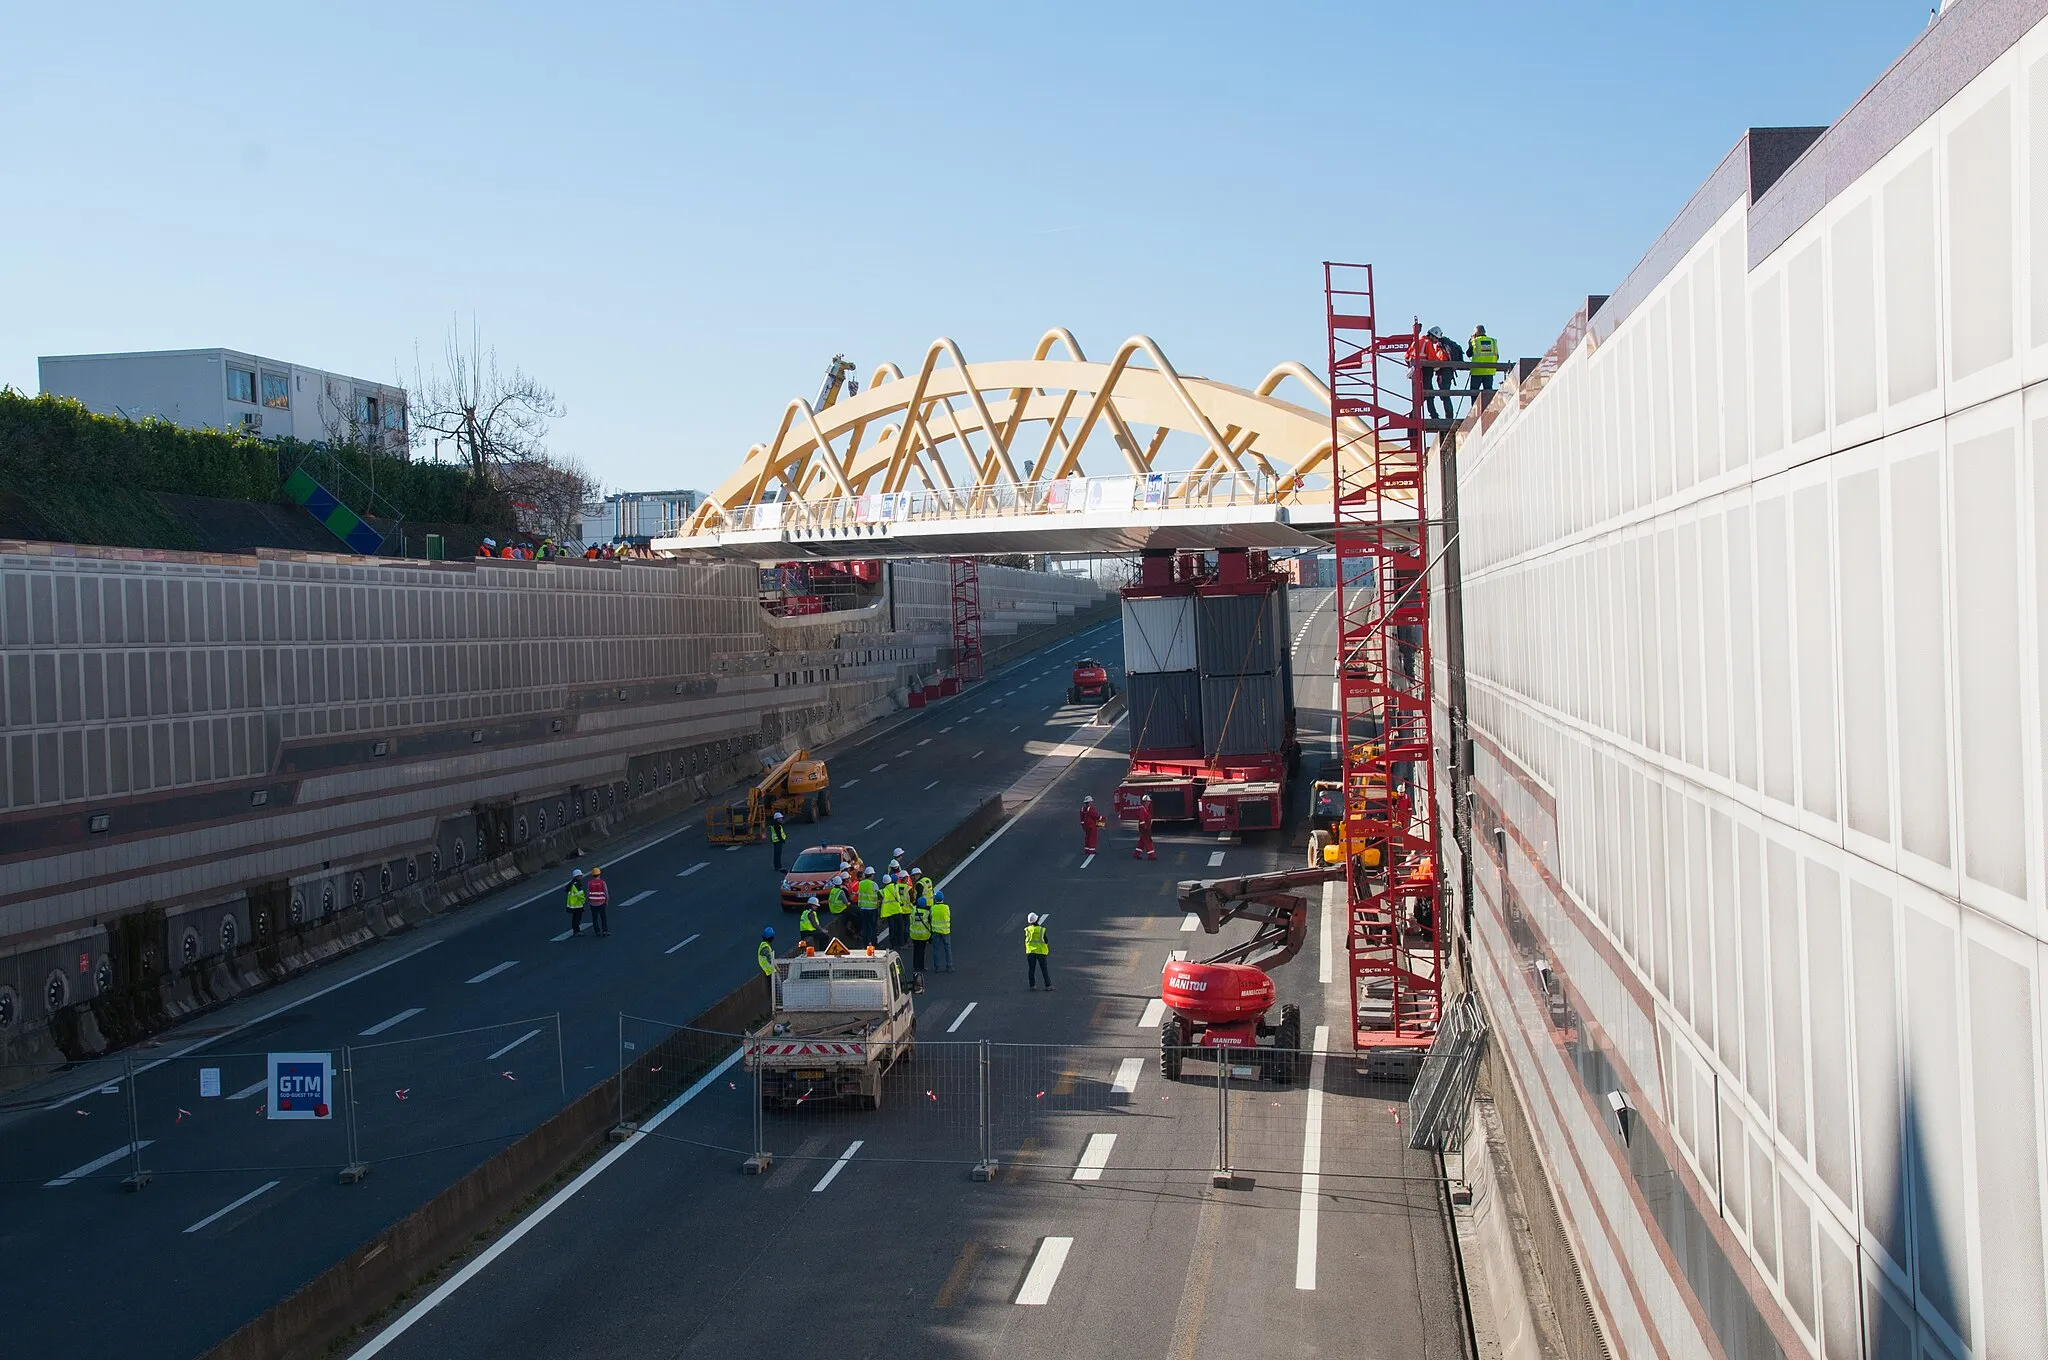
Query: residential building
227	389
638	514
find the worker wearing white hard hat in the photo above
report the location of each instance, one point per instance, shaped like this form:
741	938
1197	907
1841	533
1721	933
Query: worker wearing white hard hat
778	836
1091	825
1037	952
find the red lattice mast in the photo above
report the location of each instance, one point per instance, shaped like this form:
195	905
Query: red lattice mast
966	619
1383	667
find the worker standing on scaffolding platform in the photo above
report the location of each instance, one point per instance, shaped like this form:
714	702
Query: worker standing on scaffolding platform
1434	347
1485	353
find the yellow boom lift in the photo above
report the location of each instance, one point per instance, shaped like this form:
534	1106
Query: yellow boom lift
796	786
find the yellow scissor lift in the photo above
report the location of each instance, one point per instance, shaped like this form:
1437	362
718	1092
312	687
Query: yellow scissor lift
796	786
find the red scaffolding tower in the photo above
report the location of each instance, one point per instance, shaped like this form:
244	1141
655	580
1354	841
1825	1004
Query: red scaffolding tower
1385	725
966	619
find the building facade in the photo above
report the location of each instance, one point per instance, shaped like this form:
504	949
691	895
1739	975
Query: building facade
638	514
1755	601
226	389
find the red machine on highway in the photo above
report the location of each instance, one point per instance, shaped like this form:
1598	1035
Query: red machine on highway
1217	1008
1209	680
1090	683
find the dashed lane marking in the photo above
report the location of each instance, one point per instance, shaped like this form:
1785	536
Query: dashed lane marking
1045	1270
1094	1157
514	1044
1127	1076
487	974
961	1018
98	1164
837	1166
1190	922
929	787
1155	1013
926	742
849	783
1179	956
975	756
900	754
638	897
701	864
382	1025
879	768
1215	858
677	945
557	939
944	730
1088	859
872	825
221	1213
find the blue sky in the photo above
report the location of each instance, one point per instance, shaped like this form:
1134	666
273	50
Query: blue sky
676	214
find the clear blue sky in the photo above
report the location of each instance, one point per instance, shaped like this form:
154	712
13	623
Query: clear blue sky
675	214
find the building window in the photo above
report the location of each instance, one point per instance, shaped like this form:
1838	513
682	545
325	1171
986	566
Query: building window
241	385
394	416
366	410
277	391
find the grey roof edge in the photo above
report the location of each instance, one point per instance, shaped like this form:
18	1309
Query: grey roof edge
1954	50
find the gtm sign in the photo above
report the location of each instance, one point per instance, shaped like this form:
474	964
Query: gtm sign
301	1086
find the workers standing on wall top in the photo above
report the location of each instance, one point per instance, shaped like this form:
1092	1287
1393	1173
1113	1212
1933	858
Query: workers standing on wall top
1037	951
1091	825
577	897
778	836
1485	354
599	895
1145	850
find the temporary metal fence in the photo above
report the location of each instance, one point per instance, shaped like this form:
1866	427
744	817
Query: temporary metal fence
202	1112
1443	1088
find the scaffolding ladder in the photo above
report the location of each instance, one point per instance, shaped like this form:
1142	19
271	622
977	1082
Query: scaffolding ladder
1385	728
966	577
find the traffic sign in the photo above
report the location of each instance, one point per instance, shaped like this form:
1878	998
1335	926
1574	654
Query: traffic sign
301	1086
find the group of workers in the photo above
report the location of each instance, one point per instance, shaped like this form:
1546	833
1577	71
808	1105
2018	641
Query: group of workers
594	893
865	908
515	551
1092	822
1441	356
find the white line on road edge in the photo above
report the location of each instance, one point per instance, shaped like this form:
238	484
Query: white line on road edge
487	974
1088	859
514	1044
1333	901
397	1019
640	896
251	1089
872	825
218	1214
619	858
677	945
965	1011
1094	1157
538	1216
929	787
1155	1011
1311	1168
98	1163
1045	1270
700	864
838	1166
1215	858
1127	1073
1190	922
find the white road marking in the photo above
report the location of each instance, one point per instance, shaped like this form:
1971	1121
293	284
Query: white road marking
557	939
218	1214
1088	859
514	1044
1215	858
1179	956
677	945
638	897
539	1216
98	1163
1002	830
872	825
926	742
929	787
964	1013
1094	1157
879	768
975	756
838	1166
1223	835
397	1019
487	974
1190	922
701	864
1333	901
1155	1013
550	892
944	730
1045	1270
1311	1168
730	848
1127	1076
1016	729
251	1089
849	783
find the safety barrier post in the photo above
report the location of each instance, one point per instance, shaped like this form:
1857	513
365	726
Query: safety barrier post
357	1169
985	1169
136	1177
561	1065
762	1161
1221	1177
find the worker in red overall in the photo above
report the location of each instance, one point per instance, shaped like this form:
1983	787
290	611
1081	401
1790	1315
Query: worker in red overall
599	894
1091	825
1145	850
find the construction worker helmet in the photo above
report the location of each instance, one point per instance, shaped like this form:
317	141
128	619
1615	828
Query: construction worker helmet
778	816
869	871
1436	332
767	932
897	852
1146	799
1089	799
595	871
577	874
917	873
1032	919
812	901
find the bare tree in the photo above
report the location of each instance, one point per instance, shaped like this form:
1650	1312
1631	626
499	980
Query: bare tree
548	493
496	419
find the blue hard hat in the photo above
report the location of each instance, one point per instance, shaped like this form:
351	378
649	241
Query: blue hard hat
768	932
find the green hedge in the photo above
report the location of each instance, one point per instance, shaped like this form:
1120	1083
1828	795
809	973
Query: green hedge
49	445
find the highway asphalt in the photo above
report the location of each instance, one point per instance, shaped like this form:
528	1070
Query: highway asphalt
465	1016
1102	1234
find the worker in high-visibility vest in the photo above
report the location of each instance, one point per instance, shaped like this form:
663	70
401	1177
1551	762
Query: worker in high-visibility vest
778	836
578	895
924	884
868	897
598	894
895	903
942	932
1037	951
764	952
808	927
1484	352
837	902
920	935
